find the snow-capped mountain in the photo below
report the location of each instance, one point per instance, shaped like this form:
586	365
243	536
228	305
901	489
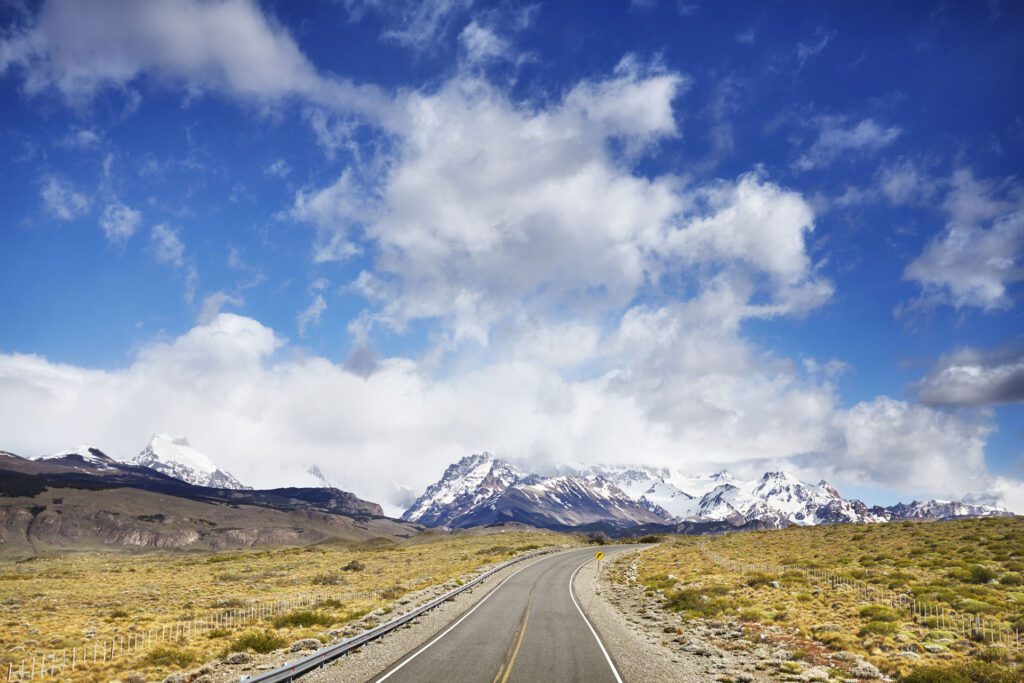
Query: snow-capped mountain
172	455
650	486
480	489
464	487
84	455
939	509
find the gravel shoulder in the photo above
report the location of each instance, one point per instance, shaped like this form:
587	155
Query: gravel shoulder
636	655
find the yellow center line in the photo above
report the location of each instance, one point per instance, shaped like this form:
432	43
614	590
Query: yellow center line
515	652
513	649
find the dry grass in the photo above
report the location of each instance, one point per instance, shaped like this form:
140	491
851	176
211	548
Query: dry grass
968	565
74	600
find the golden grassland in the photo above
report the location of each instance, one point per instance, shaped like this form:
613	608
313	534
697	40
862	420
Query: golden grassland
73	600
968	565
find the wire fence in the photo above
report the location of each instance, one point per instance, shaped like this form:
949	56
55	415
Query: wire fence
138	640
965	624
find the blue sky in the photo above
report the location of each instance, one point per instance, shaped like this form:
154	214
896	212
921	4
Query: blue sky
379	235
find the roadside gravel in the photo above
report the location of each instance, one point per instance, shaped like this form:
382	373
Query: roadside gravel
636	656
649	643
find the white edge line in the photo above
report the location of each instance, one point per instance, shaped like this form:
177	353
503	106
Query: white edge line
461	619
607	656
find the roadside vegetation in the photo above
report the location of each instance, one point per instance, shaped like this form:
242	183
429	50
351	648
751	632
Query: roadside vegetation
77	599
972	566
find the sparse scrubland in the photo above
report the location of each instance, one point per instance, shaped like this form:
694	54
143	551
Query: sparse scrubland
971	566
50	604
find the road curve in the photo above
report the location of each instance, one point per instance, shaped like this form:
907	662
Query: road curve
528	628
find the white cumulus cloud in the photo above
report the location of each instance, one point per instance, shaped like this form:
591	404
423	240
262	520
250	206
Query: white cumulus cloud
979	255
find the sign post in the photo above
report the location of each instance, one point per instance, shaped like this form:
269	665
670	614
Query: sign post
599	555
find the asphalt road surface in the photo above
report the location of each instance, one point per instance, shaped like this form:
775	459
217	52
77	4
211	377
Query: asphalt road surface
528	628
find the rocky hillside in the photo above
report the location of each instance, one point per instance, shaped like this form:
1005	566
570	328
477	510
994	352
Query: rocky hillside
86	499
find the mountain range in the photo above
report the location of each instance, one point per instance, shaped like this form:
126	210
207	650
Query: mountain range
83	498
481	489
173	496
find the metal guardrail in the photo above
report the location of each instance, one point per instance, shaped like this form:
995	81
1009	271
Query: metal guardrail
303	666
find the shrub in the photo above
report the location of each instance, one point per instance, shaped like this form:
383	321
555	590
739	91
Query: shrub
495	550
659	582
756	580
392	592
753	614
974	606
354	566
1011	579
981	574
118	614
879	613
704	602
168	656
329	579
304	619
996	655
878	628
262	643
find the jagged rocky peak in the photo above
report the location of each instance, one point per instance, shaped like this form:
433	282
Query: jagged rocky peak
463	485
481	489
171	454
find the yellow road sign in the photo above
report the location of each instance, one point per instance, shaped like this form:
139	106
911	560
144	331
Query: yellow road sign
599	555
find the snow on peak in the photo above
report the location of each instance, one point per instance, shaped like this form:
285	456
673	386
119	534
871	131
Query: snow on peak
172	455
90	454
465	484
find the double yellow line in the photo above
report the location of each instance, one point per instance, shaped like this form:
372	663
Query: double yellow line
513	650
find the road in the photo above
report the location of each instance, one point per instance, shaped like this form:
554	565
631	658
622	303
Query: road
528	628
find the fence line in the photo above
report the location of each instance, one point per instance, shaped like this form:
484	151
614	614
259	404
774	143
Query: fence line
136	642
965	624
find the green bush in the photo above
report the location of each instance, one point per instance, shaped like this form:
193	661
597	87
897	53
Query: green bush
879	613
974	606
304	619
981	574
878	628
1011	579
701	602
262	643
659	582
995	655
168	656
